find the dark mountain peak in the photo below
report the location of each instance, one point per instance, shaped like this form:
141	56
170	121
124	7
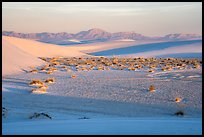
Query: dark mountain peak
96	30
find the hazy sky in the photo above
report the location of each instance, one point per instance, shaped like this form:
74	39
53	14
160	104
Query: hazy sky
148	18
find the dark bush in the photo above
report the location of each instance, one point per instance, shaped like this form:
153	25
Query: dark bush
179	113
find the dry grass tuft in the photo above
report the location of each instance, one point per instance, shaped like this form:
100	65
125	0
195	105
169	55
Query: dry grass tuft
36	115
50	80
49	72
179	113
151	88
177	99
34	71
151	70
36	83
73	76
43	87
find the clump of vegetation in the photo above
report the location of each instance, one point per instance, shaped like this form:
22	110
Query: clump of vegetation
37	115
169	68
84	118
55	63
152	66
52	69
73	76
34	71
131	68
177	99
197	66
43	58
43	68
36	83
151	88
83	69
179	113
50	80
138	66
100	68
163	69
151	70
49	72
64	67
43	87
4	112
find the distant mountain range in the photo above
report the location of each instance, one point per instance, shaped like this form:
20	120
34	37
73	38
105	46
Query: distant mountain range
94	35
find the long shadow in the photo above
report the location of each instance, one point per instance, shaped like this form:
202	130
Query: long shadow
144	48
16	82
14	78
67	104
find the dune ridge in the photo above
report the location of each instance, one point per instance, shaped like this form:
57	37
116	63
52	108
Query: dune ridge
20	54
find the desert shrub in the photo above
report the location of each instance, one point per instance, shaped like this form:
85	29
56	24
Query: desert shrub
131	68
151	70
100	68
179	113
36	82
52	69
37	115
50	80
73	76
43	58
139	66
152	66
43	69
83	69
196	66
34	71
49	72
84	118
91	68
43	87
177	99
179	67
151	88
168	68
163	69
4	112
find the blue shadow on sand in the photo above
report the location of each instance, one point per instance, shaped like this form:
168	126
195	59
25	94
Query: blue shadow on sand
144	48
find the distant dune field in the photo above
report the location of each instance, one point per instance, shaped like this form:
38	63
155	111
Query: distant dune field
21	53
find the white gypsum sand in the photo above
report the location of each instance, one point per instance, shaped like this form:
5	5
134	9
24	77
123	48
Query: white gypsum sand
19	54
100	102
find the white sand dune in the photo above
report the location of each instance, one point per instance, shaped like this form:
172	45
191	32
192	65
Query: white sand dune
125	40
192	48
101	46
39	49
14	59
118	99
19	54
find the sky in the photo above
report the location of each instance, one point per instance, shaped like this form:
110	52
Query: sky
147	18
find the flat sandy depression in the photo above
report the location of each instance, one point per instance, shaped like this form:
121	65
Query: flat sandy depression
113	92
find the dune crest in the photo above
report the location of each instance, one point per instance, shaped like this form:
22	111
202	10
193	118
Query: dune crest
19	54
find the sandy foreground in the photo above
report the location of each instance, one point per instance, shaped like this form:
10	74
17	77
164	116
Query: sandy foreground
105	98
